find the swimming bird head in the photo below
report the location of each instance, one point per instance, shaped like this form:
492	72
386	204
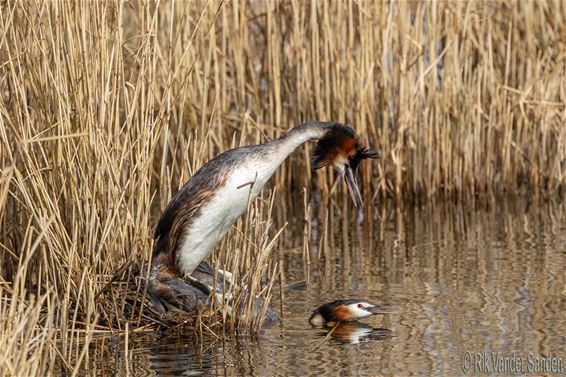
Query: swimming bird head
338	311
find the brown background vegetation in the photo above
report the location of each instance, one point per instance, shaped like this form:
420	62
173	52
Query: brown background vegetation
106	108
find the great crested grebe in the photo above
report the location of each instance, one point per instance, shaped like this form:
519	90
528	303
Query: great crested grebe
335	312
204	209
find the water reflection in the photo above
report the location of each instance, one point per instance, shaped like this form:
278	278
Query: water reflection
357	332
478	277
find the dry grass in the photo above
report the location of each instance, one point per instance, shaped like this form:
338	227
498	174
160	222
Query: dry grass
106	108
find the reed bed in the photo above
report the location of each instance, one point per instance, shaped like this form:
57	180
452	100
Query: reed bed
106	109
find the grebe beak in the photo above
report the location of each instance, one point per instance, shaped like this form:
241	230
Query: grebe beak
381	309
351	170
352	183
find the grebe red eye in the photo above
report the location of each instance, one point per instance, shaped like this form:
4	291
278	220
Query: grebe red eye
360	306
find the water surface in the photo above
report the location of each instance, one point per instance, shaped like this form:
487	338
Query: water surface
472	278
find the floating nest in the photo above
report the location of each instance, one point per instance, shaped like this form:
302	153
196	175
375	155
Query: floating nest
123	300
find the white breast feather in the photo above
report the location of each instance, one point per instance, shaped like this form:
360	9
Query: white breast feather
218	215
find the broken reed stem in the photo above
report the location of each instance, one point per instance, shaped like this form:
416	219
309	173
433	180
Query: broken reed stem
306	236
326	337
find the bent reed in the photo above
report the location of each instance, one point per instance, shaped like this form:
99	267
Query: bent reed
106	109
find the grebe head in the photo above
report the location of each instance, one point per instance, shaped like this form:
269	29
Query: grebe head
341	148
345	311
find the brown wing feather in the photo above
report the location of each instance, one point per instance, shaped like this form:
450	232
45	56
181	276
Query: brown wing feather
180	212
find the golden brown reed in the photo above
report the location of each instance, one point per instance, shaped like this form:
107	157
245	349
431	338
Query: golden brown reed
106	108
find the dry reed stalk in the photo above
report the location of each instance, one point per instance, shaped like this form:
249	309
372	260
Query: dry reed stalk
307	226
106	108
246	256
26	329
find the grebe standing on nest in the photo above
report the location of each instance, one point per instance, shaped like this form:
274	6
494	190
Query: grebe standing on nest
204	209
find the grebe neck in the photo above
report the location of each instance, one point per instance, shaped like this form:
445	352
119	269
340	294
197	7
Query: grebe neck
296	137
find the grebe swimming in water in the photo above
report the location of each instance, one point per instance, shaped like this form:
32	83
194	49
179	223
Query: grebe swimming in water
335	312
204	209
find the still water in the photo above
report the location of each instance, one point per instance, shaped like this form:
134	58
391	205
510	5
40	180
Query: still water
465	280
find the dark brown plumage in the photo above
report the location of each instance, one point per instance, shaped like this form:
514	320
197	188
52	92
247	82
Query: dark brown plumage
340	142
341	148
180	211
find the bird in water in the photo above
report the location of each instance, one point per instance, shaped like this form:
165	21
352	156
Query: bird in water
204	209
339	311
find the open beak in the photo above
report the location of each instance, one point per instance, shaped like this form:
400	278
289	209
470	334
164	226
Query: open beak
352	183
381	309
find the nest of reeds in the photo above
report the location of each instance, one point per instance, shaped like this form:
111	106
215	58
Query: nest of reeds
123	299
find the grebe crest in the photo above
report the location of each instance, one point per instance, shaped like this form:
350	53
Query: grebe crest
341	148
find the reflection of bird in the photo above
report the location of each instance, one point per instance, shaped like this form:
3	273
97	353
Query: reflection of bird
356	332
339	311
201	213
